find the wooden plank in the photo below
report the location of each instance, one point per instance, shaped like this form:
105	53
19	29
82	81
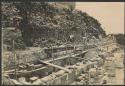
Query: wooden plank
34	66
59	58
55	66
67	56
22	72
79	58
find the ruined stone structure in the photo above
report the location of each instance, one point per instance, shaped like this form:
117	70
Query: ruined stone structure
54	45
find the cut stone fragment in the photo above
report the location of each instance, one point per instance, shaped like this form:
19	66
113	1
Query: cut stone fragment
16	82
23	80
33	78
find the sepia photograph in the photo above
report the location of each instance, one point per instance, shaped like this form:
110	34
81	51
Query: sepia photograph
62	43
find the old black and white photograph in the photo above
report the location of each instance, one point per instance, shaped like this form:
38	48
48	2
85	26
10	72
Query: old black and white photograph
62	43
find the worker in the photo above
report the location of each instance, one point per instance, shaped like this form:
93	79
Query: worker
71	38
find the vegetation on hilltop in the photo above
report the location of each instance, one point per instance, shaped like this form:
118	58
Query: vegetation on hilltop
41	22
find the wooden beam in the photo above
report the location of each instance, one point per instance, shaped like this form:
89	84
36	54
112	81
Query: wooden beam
50	64
34	66
79	58
26	72
59	58
67	56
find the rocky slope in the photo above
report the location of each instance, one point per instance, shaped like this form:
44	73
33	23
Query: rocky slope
43	23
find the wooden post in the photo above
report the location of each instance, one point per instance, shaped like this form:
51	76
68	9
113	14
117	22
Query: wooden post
18	62
107	48
14	59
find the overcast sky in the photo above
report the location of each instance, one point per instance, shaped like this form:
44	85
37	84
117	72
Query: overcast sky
109	14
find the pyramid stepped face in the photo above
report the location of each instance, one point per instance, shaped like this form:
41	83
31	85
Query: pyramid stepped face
67	4
64	4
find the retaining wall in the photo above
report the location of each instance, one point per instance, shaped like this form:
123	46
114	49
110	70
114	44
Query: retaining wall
68	78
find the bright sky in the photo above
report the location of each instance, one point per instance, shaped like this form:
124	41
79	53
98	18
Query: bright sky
109	14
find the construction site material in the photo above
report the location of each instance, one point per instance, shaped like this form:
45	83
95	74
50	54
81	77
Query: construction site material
55	66
23	81
15	82
33	79
68	73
